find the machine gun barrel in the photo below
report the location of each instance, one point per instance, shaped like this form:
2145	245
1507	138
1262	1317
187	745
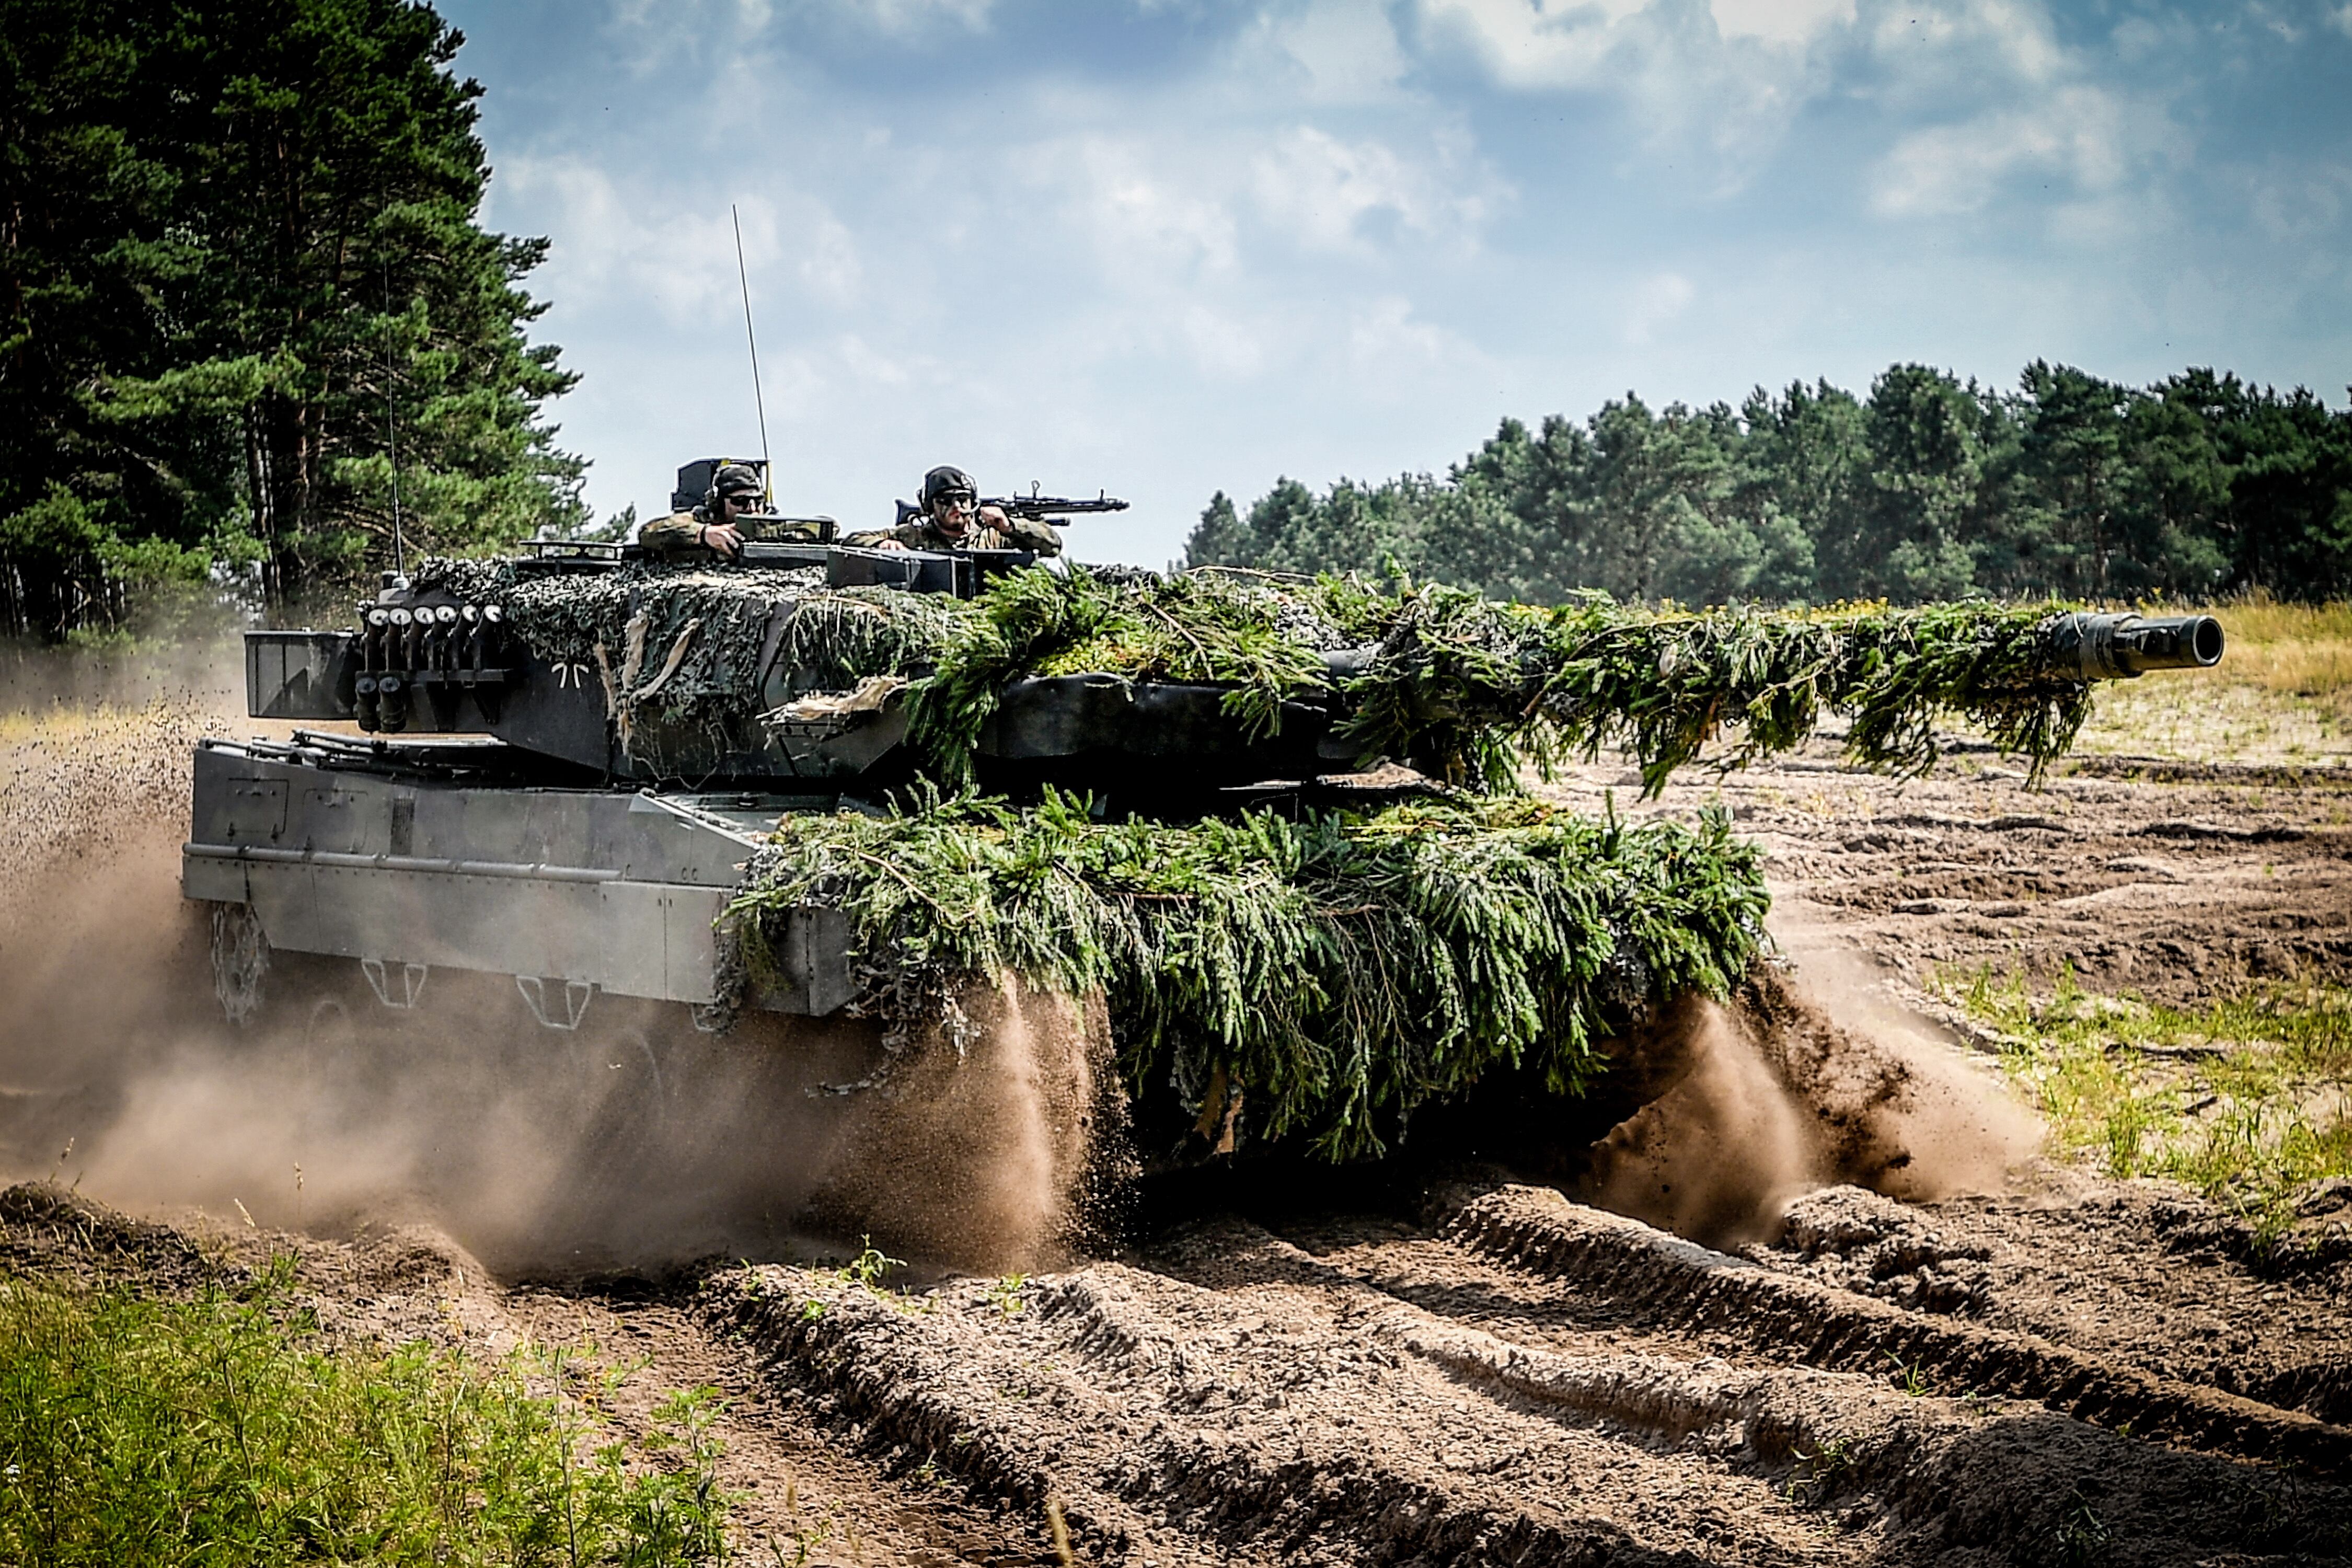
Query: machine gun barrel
2119	646
1036	507
1033	505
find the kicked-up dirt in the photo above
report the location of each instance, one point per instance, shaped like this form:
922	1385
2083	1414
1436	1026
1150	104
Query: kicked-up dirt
1824	1301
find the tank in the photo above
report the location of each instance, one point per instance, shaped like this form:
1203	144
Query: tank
559	773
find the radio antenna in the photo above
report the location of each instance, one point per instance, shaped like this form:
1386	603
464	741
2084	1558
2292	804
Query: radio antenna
742	274
390	433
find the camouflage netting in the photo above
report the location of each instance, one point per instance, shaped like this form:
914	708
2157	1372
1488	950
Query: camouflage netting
676	645
1336	972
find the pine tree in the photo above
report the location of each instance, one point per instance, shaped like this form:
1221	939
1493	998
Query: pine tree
242	255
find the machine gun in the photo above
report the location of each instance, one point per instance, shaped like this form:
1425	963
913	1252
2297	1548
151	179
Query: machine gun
1035	507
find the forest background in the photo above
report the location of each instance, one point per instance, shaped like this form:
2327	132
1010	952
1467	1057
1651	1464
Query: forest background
1927	488
242	271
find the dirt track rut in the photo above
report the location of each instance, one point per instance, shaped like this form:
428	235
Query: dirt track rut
1519	1378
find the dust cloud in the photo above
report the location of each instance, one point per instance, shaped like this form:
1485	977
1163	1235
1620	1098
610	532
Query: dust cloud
978	1153
632	1145
1811	1077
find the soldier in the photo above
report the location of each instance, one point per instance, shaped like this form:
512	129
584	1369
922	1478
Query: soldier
953	518
715	526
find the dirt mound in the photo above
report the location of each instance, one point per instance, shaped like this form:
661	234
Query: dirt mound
1875	1246
2138	1276
1679	1282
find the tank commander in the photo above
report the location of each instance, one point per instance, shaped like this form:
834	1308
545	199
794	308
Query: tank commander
718	526
952	518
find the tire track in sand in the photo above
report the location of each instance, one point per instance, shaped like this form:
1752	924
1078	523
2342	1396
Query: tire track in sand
1241	1399
1679	1285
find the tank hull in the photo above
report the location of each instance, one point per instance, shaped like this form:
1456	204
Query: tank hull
408	859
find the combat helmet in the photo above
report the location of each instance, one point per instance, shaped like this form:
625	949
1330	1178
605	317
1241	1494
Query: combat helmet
946	480
733	480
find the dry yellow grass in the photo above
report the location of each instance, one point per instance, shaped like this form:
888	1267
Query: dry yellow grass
2305	649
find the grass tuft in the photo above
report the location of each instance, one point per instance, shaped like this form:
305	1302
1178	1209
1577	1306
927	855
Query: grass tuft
2247	1098
1338	970
222	1430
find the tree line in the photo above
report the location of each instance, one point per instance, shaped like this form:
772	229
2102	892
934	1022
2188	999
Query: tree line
239	272
1930	488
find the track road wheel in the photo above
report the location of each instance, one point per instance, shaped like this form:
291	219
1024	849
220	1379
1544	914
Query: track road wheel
240	958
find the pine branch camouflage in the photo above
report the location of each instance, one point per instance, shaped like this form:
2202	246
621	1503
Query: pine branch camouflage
1343	969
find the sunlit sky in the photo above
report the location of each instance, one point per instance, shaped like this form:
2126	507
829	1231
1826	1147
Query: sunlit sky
1168	246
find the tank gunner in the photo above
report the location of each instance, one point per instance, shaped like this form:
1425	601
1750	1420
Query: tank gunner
952	518
733	510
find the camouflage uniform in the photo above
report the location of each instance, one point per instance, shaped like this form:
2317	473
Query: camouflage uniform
922	534
678	534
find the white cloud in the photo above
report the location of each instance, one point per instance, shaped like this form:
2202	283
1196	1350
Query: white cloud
2341	20
1725	81
1385	337
829	265
1321	189
864	364
677	260
1333	51
1146	219
2300	206
1219	344
1937	52
1655	300
905	16
655	35
1532	44
2082	138
1791	22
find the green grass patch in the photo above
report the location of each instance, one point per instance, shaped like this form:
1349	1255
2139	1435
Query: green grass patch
224	1430
2245	1098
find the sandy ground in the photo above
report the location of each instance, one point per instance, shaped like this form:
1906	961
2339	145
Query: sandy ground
1990	1360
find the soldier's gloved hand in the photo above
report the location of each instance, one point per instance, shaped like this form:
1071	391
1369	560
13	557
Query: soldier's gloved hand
889	544
1026	533
723	537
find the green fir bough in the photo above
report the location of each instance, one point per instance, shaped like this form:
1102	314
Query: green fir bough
1340	970
1468	686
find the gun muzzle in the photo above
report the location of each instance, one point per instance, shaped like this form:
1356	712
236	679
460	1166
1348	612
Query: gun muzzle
2121	647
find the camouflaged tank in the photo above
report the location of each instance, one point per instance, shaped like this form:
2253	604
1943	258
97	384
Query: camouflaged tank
577	772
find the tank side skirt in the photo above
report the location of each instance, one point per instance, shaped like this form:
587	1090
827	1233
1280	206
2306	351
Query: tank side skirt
619	891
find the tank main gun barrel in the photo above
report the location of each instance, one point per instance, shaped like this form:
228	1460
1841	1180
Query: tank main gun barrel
2120	647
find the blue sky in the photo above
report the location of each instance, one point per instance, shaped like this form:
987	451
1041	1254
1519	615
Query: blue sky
1168	246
